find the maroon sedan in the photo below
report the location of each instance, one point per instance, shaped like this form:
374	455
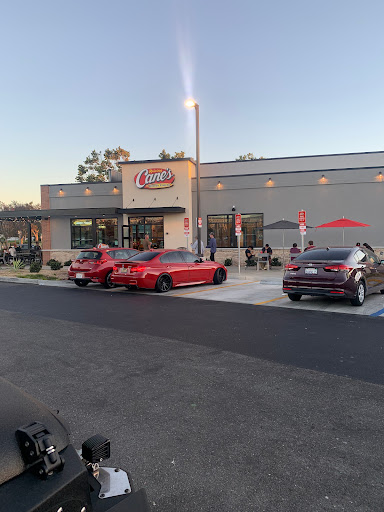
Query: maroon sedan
352	273
164	269
95	265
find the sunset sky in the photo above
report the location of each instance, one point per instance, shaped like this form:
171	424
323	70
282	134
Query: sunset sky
273	78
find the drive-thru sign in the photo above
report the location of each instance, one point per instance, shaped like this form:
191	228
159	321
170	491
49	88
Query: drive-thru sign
302	226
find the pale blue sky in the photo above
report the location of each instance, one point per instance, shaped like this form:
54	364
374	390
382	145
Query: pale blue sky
273	78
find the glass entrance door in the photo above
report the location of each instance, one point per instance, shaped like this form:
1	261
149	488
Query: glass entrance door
151	226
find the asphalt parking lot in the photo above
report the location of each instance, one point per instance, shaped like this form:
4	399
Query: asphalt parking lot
265	292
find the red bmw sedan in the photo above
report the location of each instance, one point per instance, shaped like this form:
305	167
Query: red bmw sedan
351	273
164	269
95	265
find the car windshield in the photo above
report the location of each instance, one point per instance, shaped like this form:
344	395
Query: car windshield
89	255
324	255
144	256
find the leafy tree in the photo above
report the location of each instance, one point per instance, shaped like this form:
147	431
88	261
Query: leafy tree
166	156
18	228
249	156
163	155
97	165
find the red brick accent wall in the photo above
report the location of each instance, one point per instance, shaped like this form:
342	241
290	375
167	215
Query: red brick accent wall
46	239
45	224
44	191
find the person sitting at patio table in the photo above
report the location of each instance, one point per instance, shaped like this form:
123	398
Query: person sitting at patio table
12	251
294	251
309	246
249	253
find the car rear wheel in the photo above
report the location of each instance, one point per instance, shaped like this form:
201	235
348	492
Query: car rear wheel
219	276
107	281
360	295
382	291
294	296
163	283
81	283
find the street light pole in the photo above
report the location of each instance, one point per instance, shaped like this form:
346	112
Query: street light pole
192	104
198	177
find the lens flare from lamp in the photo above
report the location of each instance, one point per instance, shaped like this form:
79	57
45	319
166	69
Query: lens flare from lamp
190	103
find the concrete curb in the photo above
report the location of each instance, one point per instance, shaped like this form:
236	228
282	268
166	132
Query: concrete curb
38	282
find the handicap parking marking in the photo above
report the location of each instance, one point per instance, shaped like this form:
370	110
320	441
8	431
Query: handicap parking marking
378	313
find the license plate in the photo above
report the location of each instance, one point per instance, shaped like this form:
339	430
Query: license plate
123	270
311	271
79	276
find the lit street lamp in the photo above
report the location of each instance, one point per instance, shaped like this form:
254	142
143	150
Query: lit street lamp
191	103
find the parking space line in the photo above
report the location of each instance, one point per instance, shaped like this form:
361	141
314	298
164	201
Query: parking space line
214	289
270	300
378	313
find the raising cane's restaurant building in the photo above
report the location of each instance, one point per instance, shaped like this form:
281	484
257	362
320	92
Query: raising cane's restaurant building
158	198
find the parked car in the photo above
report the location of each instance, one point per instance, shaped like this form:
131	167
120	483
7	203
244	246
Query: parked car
95	265
162	270
345	272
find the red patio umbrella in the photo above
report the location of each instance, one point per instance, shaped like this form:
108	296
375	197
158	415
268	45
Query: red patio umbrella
343	223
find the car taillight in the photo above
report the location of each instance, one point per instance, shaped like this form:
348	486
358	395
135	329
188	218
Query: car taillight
114	269
337	268
98	262
290	266
140	268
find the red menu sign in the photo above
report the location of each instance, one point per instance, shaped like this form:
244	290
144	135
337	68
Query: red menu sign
302	218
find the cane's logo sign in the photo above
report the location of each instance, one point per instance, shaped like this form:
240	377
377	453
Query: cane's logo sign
154	178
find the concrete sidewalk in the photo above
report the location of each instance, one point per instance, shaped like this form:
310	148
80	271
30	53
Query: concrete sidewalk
273	276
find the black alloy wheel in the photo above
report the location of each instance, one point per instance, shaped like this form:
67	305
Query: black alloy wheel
107	281
81	283
358	300
219	276
163	283
294	296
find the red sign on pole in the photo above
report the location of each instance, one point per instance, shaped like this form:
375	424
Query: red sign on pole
186	226
238	224
199	222
302	218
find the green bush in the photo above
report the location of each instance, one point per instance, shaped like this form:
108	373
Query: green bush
56	265
275	262
67	263
51	261
18	264
228	262
35	267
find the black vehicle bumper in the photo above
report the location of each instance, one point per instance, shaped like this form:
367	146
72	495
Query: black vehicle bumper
318	292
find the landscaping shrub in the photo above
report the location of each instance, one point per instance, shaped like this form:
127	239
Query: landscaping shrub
51	261
275	262
56	265
18	264
228	262
35	267
67	263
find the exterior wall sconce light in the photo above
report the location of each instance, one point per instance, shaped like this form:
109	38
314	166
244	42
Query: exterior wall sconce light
270	183
61	192
115	190
380	177
323	180
88	191
219	185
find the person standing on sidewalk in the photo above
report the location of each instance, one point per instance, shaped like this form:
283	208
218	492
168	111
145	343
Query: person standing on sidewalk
195	246
212	246
147	243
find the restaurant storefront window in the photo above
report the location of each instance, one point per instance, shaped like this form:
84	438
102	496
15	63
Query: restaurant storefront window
151	226
223	227
106	232
81	233
87	233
